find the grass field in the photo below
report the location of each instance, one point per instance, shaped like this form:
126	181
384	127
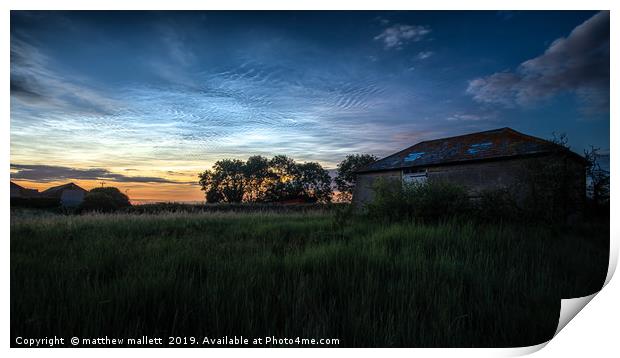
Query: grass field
298	275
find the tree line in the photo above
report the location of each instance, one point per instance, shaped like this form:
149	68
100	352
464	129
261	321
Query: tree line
260	179
263	180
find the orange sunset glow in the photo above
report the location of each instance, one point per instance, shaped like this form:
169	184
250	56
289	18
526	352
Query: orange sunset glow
138	193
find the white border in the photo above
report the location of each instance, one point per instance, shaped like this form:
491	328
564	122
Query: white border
310	5
595	328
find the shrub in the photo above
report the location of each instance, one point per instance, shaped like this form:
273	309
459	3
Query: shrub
495	205
343	216
105	200
429	202
98	202
388	202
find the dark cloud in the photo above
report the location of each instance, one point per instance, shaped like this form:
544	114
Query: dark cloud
35	83
26	89
46	173
578	63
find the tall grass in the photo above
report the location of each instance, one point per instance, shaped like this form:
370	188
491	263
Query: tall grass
311	275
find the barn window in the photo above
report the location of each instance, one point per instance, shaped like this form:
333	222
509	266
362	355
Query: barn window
414	177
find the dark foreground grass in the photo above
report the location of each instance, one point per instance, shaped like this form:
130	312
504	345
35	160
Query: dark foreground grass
297	275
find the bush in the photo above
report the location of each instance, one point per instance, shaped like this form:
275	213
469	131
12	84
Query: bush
105	200
433	201
495	205
343	216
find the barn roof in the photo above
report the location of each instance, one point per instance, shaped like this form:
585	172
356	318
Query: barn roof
16	186
57	190
25	192
500	143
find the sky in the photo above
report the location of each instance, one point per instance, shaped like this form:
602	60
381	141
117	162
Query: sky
146	100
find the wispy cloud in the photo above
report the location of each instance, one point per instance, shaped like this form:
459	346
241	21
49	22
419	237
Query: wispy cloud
176	45
465	117
424	55
578	63
396	36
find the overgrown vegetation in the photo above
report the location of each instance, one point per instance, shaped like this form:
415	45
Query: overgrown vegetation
548	192
598	184
164	208
312	274
440	201
597	179
428	203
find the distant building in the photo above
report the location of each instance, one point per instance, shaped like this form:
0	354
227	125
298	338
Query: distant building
479	161
18	191
68	194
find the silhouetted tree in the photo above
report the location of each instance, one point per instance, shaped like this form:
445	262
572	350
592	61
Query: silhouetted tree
315	182
283	184
257	177
225	182
262	180
345	178
560	139
598	178
210	186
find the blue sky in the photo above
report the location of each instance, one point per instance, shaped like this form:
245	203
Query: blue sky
152	98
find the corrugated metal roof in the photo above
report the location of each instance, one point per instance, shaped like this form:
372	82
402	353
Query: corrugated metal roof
493	144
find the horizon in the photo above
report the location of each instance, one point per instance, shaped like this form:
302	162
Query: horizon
146	100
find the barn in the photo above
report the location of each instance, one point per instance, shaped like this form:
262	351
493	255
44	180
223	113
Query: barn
496	159
18	191
69	194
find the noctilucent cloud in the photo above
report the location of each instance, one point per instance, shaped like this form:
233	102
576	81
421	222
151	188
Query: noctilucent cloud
144	100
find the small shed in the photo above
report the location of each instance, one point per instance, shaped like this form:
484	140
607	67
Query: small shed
496	159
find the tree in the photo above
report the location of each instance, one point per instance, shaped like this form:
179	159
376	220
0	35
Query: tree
265	180
104	199
257	177
560	139
231	178
315	182
282	184
209	185
225	182
345	178
597	177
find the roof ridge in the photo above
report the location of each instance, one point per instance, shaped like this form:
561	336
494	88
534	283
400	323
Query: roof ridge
452	137
455	148
61	186
469	134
